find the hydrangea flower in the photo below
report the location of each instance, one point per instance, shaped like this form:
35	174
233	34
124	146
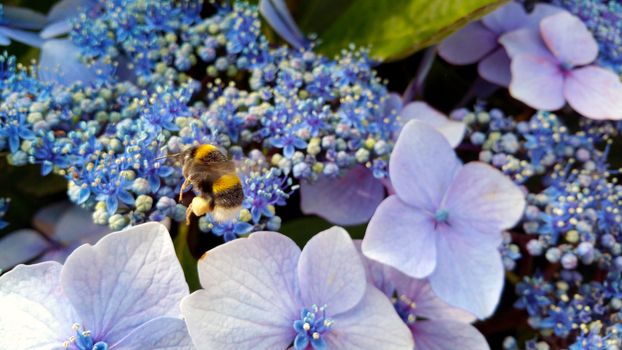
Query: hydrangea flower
479	41
280	19
60	228
548	69
263	292
121	293
352	198
16	23
434	324
445	221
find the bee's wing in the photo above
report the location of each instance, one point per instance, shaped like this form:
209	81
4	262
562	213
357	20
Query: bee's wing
212	170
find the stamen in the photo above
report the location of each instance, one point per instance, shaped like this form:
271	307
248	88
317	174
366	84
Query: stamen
311	328
83	340
441	216
405	307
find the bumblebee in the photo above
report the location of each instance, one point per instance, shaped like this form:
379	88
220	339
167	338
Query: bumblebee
214	177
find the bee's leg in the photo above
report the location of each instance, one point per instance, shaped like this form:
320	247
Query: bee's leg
188	213
183	188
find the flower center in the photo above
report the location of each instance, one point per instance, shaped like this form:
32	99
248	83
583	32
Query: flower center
311	328
83	340
441	216
405	307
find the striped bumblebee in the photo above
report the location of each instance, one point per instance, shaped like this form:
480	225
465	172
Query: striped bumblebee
214	177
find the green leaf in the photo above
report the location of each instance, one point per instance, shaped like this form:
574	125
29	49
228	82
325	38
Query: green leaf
187	261
394	29
302	229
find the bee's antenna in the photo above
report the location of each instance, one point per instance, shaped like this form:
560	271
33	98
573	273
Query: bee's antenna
168	156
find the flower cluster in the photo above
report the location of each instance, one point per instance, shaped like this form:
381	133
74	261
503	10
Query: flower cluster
307	114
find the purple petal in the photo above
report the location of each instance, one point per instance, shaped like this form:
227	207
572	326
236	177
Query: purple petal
331	272
594	92
495	68
65	9
35	312
249	284
484	199
277	14
23	18
540	12
421	111
59	62
348	200
125	280
447	334
468	45
525	42
429	305
56	29
164	333
538	82
401	237
76	225
569	39
507	18
24	37
4	41
469	272
372	324
45	219
21	246
379	275
422	165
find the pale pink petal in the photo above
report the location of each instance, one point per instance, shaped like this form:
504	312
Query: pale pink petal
348	200
484	200
35	312
446	335
428	304
401	237
422	166
249	284
594	92
331	272
496	68
125	280
506	18
538	82
469	272
421	111
569	39
373	324
525	41
468	45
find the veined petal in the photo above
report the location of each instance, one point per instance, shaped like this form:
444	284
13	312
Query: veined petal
401	237
469	272
35	312
164	333
125	280
468	45
422	166
483	198
594	92
525	41
331	272
538	82
447	334
372	324
569	39
249	284
348	200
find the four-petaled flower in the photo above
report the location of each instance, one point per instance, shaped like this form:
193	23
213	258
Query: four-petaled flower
262	292
445	221
122	293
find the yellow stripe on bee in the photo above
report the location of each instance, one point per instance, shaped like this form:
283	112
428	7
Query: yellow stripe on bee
204	150
225	182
